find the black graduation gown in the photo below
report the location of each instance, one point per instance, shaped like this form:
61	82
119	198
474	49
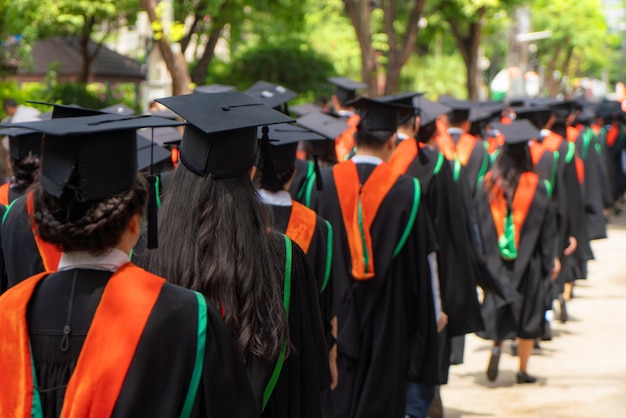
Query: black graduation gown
386	324
160	371
21	254
614	153
525	280
4	285
305	373
319	257
456	261
302	181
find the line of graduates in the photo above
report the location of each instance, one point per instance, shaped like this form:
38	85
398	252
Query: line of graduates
337	284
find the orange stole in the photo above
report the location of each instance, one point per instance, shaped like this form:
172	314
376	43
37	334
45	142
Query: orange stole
301	225
445	142
464	147
580	169
344	143
403	155
522	200
495	142
572	133
612	135
4	194
536	151
101	368
50	254
359	206
552	142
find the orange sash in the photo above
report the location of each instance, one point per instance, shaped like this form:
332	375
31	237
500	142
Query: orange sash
612	135
50	254
536	151
464	147
494	142
552	142
344	143
359	206
403	155
102	365
580	169
444	142
4	194
572	133
301	226
522	200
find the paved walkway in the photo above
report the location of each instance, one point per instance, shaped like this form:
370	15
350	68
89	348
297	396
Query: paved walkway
582	371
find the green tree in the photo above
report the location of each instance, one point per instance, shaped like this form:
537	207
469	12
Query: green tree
579	32
387	33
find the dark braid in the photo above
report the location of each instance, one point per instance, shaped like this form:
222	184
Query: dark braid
26	171
87	226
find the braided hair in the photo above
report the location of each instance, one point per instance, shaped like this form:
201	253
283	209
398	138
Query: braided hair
87	226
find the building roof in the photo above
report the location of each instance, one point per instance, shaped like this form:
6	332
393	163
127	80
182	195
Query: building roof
64	57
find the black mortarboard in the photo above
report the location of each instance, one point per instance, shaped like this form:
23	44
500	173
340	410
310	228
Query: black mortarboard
479	117
537	115
517	132
460	108
81	154
149	154
60	111
22	142
345	88
119	109
284	138
609	109
429	110
324	124
164	113
163	136
587	115
379	115
214	88
404	99
221	137
303	109
270	94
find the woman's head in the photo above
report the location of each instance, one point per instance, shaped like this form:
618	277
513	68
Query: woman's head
94	226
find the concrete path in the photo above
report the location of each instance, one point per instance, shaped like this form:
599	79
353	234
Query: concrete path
582	371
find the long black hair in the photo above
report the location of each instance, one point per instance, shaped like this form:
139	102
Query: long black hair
214	238
512	161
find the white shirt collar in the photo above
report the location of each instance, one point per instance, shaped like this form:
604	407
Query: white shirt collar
455	130
544	132
366	159
345	113
281	198
110	260
402	136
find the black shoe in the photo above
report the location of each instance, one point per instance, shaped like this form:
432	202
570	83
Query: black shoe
494	360
563	317
547	332
514	349
523	377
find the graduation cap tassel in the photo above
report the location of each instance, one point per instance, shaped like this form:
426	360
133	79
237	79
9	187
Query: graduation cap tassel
269	172
319	183
153	206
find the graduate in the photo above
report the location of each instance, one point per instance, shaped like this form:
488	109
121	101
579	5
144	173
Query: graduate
384	247
24	161
215	237
345	93
518	230
101	334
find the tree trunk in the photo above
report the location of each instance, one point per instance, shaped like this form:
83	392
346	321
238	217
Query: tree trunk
552	85
399	49
175	61
469	46
359	12
199	73
83	40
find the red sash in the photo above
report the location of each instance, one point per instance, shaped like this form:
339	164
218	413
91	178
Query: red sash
95	385
444	142
536	151
572	133
552	142
522	200
403	155
50	254
612	134
359	206
301	226
344	143
4	194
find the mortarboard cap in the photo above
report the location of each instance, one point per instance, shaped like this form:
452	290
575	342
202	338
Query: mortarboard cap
537	115
480	116
271	95
303	109
459	108
149	154
517	132
167	135
407	100
22	142
324	124
429	110
93	156
345	88
119	109
214	88
221	137
284	138
60	111
379	114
